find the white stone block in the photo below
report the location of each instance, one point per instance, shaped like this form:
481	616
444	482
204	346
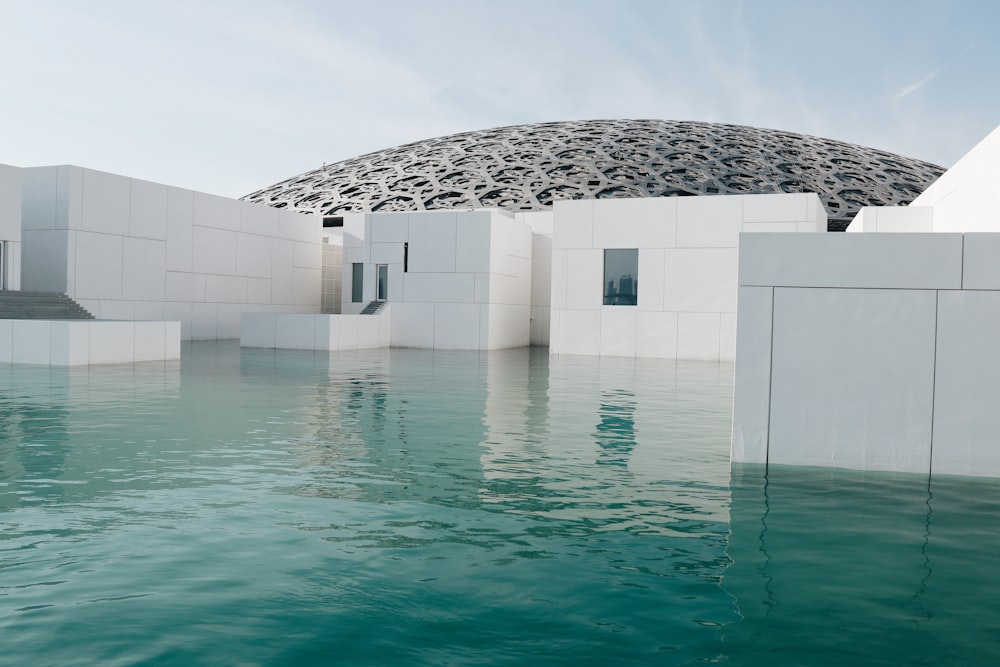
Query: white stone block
69	343
203	321
698	336
148	310
852	377
214	250
700	280
258	329
307	255
709	222
656	334
172	340
579	332
184	286
294	332
99	266
902	261
216	212
32	342
560	272
149	341
306	287
348	333
389	227
966	419
776	208
105	203
6	341
413	324
508	326
619	331
573	224
456	326
368	331
770	227
112	343
541	270
584	279
180	232
226	289
440	287
182	313
258	290
432	242
114	309
144	277
980	265
282	283
752	381
148	210
472	250
253	255
227	320
45	256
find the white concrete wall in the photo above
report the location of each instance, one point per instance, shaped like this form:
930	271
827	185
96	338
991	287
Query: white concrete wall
893	219
316	332
869	351
541	272
966	197
10	227
131	249
87	342
468	283
687	284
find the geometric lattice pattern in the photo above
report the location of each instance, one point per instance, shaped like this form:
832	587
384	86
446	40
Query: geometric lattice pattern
527	167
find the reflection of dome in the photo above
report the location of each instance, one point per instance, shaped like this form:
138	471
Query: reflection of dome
526	167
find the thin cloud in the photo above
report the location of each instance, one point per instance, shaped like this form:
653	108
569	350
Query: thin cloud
917	85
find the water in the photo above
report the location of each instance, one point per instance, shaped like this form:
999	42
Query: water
252	507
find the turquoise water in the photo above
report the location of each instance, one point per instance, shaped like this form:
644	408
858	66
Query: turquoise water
252	507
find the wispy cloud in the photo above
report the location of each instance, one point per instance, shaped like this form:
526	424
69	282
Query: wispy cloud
916	85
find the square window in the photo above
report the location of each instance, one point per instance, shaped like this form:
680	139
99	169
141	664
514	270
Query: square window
621	277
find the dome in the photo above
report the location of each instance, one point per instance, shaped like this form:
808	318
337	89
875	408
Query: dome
527	167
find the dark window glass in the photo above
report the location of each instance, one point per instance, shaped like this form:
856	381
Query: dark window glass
621	277
333	221
357	281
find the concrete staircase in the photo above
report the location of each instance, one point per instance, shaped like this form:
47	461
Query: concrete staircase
372	307
16	305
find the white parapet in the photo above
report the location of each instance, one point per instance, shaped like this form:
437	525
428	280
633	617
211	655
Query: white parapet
869	351
87	342
309	331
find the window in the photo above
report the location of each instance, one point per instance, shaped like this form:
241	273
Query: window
357	281
621	277
333	221
381	282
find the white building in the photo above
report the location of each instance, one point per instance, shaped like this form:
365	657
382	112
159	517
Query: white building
875	350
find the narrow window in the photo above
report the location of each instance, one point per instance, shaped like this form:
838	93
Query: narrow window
406	257
333	221
621	277
381	282
357	282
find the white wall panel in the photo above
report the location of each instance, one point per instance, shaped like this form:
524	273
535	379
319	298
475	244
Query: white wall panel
113	344
579	332
752	382
573	224
214	250
456	326
472	250
776	208
258	219
180	231
105	203
295	331
253	255
700	280
413	324
144	276
508	326
709	222
903	261
635	223
852	378
618	331
226	289
148	210
656	334
698	336
184	286
981	261
391	228
585	277
217	212
967	392
440	287
99	266
432	242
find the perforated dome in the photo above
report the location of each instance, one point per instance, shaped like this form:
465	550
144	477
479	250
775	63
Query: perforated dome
527	167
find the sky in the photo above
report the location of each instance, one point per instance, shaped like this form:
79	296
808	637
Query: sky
229	96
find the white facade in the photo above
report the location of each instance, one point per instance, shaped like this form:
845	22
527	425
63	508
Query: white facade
134	250
317	332
687	263
454	279
873	350
87	342
10	227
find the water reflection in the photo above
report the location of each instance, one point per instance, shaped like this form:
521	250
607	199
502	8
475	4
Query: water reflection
847	566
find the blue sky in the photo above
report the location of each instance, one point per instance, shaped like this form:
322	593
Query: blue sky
227	97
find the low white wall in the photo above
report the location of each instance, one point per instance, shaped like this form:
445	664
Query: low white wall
869	351
87	342
316	332
131	249
687	248
10	227
466	283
